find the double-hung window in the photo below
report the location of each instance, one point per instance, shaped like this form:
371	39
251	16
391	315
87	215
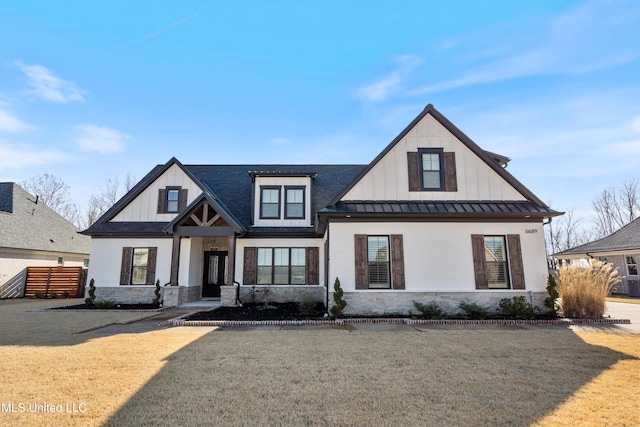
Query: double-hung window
432	168
495	253
270	202
294	202
281	266
173	196
632	265
379	262
139	264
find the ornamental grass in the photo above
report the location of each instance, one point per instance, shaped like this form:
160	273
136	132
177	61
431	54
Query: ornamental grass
584	289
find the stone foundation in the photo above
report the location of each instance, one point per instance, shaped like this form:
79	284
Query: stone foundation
172	295
228	296
372	303
281	293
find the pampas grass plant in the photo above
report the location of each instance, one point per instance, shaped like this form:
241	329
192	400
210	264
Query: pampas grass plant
583	290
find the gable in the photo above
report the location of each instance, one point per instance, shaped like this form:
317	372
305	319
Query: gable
144	207
388	178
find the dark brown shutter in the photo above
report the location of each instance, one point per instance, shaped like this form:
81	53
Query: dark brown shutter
250	270
397	262
479	264
515	261
450	180
151	266
362	262
125	267
413	166
313	266
162	198
182	199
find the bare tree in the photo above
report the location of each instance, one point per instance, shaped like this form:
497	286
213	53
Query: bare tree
109	194
563	233
616	207
53	193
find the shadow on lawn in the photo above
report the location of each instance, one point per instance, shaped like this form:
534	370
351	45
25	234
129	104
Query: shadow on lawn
328	376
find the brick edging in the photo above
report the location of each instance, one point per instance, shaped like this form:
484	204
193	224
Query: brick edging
179	321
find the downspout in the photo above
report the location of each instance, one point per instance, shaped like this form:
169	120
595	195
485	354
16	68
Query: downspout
326	279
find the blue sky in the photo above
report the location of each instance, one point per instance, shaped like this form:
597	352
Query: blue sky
99	89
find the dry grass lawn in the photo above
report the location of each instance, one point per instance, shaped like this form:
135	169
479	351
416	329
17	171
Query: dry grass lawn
367	375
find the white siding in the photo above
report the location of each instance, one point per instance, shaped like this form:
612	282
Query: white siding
282	182
145	206
277	243
388	179
14	261
437	256
107	259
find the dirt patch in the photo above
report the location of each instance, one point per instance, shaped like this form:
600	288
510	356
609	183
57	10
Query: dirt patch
271	311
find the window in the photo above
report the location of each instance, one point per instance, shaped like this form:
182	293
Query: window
495	253
379	265
632	265
85	263
281	266
294	202
60	261
139	266
431	167
270	202
173	195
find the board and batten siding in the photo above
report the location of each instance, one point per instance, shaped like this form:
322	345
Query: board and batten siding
145	206
438	257
282	182
389	178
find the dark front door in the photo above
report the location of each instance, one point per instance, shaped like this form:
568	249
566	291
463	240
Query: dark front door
215	273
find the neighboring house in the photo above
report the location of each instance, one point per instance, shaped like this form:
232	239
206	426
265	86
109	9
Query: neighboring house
31	234
621	248
432	218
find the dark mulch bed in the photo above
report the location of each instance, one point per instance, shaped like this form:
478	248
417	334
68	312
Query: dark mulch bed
115	307
272	311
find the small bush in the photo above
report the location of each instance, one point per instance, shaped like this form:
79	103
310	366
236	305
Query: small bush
338	299
308	306
473	310
38	295
583	290
105	304
65	295
157	300
53	295
552	291
517	308
92	293
429	311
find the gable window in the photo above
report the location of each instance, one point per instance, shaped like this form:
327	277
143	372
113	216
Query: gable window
632	265
270	202
294	202
431	166
281	266
497	261
138	266
172	199
379	262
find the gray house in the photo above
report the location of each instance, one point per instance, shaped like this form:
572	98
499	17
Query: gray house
31	234
621	248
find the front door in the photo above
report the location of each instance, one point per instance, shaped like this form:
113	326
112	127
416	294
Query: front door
215	273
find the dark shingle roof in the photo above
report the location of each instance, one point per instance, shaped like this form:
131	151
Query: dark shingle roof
627	238
25	224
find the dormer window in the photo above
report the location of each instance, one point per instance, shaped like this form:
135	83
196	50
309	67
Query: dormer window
171	199
294	203
270	202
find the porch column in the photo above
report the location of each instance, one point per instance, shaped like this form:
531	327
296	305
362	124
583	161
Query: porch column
231	260
175	260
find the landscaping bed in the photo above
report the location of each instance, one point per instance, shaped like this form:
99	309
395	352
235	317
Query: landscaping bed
108	307
261	311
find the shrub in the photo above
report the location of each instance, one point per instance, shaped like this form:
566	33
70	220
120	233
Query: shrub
308	306
429	311
157	300
473	310
53	295
105	304
583	290
517	308
65	295
550	301
338	299
38	295
92	293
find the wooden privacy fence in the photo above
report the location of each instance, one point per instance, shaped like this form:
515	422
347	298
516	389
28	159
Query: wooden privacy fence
46	281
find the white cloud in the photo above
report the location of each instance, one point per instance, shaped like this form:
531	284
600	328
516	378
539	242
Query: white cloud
101	139
170	26
50	87
11	123
582	40
383	88
20	157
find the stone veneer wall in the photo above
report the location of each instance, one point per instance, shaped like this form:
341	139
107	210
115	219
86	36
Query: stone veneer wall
173	295
371	303
282	293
